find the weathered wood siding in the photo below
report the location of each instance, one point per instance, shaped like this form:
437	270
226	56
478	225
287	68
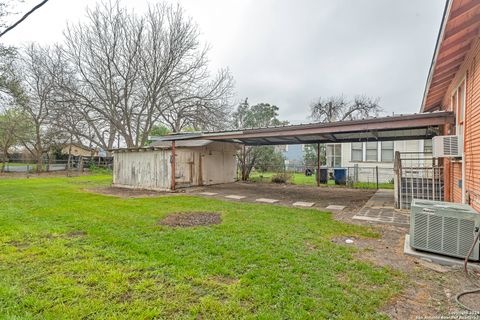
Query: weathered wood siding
143	170
214	163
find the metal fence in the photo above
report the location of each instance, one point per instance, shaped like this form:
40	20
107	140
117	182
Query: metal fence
418	176
355	176
75	164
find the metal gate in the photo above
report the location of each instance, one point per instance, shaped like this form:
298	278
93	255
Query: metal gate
417	176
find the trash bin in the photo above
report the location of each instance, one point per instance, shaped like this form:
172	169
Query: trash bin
323	176
340	175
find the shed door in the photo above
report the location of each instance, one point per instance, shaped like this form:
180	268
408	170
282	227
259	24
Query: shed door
213	167
184	168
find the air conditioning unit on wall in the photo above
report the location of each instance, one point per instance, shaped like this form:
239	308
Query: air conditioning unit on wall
447	146
445	228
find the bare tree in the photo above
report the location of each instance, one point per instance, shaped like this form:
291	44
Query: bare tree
13	126
129	72
39	88
339	108
200	104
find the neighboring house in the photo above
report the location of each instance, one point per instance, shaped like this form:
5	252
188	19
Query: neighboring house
362	158
78	150
293	155
454	85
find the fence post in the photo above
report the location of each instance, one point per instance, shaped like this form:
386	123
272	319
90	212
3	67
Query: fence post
318	165
376	174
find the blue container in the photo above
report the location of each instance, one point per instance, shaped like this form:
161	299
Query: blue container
340	176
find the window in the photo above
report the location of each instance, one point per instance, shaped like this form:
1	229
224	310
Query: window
357	151
427	146
334	155
371	151
387	151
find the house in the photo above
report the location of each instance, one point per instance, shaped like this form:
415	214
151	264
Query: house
365	159
453	84
195	163
294	156
79	150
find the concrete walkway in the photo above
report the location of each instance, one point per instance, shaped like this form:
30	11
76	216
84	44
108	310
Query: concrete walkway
381	209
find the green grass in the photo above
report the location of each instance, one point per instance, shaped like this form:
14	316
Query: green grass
69	254
302	179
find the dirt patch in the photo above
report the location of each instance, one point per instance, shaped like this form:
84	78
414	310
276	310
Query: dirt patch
287	194
429	291
191	219
128	193
18	244
224	280
76	234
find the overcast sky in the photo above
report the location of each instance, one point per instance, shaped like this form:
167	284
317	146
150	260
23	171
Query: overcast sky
290	52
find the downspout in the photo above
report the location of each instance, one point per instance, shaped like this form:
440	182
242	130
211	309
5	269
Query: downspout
173	165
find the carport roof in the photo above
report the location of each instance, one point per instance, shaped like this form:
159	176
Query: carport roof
400	127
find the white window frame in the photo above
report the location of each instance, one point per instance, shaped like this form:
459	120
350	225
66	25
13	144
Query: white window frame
381	151
363	152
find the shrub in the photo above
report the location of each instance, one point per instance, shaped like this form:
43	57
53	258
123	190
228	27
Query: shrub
282	177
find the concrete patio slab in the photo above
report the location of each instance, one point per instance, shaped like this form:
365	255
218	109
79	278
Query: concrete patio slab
266	200
435	258
233	196
335	207
303	204
380	209
208	193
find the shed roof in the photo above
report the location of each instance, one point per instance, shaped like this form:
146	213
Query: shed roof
180	143
400	127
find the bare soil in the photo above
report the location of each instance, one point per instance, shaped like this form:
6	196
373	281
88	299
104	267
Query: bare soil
430	289
191	219
353	199
128	193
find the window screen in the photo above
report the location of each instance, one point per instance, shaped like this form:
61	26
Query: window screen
372	151
357	151
387	151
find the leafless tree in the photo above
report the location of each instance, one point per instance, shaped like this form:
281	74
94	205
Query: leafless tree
39	88
338	108
129	72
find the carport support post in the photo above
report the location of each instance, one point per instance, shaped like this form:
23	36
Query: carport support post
173	166
318	165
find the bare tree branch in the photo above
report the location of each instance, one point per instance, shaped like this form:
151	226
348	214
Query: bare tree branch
25	16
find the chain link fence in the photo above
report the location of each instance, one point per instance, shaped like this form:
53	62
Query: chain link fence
74	164
369	177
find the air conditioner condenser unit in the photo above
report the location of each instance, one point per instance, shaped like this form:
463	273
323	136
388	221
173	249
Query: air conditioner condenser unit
447	146
445	228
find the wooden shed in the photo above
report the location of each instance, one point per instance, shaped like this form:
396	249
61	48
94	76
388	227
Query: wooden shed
195	163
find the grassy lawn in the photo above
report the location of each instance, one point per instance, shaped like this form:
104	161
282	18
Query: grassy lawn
70	254
302	179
